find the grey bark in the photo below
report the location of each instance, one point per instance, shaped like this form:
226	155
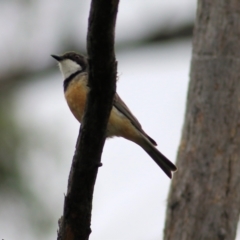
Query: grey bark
204	199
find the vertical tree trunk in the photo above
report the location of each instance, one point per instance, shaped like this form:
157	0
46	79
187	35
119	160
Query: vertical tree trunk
204	200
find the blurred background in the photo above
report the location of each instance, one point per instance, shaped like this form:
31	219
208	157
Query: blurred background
38	132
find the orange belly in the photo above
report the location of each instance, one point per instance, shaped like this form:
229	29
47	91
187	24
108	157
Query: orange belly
118	124
76	95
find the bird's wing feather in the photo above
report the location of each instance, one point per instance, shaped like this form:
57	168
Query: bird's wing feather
122	107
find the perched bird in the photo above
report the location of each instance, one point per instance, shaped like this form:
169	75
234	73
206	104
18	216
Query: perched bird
122	122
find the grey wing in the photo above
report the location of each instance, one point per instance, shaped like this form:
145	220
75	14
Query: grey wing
122	107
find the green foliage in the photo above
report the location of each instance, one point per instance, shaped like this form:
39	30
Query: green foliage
13	186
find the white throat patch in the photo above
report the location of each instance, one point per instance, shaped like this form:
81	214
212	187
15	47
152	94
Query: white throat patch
68	67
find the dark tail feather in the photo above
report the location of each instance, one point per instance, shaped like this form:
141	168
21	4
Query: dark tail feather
167	166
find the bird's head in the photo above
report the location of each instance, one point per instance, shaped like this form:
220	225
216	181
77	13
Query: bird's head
70	63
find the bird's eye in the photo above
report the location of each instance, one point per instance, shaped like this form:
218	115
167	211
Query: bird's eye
76	58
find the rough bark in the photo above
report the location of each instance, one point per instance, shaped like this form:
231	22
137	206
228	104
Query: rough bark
204	199
76	220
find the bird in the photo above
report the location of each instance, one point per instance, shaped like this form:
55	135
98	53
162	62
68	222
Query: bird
121	123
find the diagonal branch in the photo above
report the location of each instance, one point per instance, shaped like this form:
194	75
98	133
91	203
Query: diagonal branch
76	220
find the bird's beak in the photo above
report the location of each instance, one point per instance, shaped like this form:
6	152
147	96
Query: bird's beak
58	58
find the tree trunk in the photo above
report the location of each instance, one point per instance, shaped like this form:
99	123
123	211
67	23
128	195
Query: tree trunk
204	199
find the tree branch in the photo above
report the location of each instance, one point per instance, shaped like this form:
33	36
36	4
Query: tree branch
76	220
